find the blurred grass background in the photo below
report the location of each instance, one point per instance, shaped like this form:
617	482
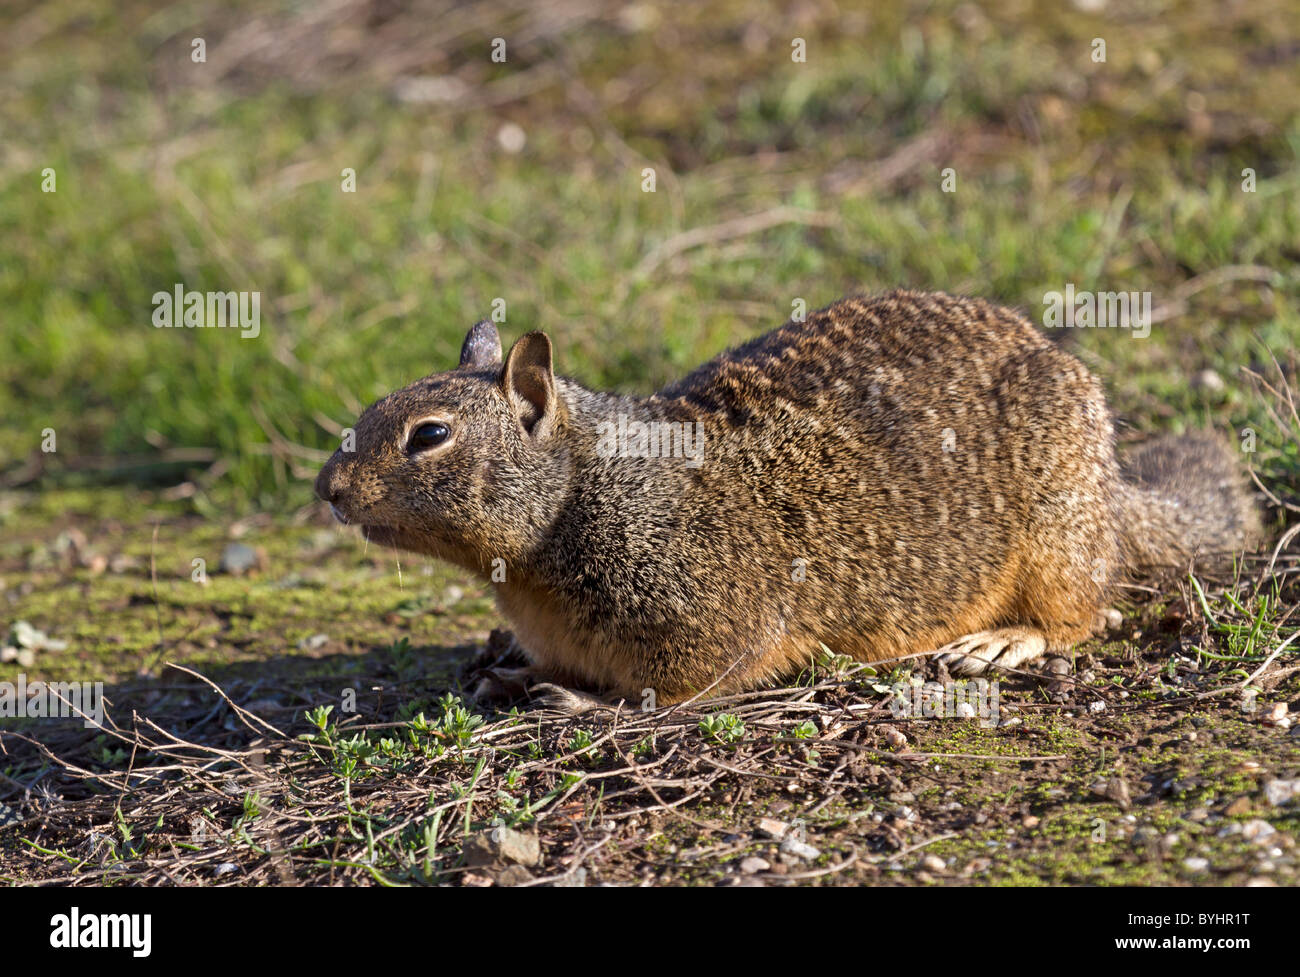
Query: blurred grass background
776	180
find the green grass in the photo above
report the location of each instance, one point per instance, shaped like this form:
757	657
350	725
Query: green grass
1117	176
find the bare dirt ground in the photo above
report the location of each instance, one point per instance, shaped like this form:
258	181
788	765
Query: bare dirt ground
1160	754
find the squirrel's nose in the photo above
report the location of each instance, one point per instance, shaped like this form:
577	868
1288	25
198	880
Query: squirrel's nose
328	484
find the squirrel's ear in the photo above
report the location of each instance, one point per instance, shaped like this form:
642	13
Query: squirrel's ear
528	381
482	347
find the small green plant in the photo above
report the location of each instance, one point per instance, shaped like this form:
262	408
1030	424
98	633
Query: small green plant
110	757
806	730
832	662
1249	626
319	717
457	722
581	742
405	661
253	804
723	728
123	828
569	780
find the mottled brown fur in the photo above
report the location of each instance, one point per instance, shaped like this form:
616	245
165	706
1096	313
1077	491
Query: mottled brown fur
889	476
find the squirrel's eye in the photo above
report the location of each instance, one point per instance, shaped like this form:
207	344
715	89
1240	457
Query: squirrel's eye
427	436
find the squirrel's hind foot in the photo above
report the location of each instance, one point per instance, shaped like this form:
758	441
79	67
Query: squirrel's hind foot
571	702
975	654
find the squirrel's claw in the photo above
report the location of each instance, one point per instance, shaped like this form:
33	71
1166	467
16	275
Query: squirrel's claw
571	702
974	654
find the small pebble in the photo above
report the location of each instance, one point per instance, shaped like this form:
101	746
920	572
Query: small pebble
122	563
1196	864
894	738
1279	792
502	845
511	137
1208	381
1257	830
753	865
1238	807
797	848
237	559
513	875
25	657
772	828
1274	713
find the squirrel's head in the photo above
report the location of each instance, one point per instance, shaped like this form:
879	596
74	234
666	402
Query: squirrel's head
468	465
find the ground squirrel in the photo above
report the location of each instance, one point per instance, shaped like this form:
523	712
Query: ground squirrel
904	473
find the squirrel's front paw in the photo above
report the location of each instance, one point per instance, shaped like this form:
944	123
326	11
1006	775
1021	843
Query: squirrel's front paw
498	687
973	654
500	651
500	673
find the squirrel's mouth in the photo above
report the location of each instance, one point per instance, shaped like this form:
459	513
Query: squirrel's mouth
383	535
398	539
415	542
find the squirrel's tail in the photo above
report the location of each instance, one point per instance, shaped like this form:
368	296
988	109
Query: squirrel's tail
1182	498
